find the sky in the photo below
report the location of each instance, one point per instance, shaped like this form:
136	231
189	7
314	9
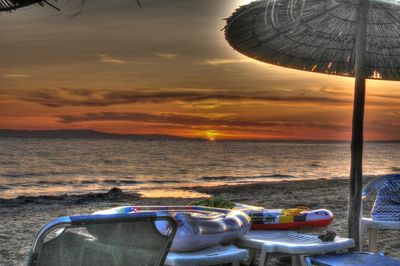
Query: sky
165	68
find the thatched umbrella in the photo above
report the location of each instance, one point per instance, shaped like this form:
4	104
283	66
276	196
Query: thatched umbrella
11	5
357	38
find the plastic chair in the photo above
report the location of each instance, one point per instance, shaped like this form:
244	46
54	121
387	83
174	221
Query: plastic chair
353	259
288	243
209	256
100	240
369	225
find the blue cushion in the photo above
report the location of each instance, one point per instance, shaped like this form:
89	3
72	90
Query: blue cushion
365	259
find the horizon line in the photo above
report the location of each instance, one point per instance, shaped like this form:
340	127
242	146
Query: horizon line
175	137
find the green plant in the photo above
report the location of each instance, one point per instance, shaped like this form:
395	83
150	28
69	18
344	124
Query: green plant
217	202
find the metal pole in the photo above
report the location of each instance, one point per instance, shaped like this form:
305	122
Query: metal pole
358	120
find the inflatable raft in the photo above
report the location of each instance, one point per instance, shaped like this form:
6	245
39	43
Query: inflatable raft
198	227
286	219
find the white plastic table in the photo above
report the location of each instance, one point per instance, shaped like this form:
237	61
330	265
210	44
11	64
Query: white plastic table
288	243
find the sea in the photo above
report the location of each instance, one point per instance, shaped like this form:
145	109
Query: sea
33	167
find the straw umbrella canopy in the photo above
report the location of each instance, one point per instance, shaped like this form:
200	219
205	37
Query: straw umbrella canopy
356	38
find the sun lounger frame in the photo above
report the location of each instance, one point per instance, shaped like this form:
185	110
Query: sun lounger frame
79	221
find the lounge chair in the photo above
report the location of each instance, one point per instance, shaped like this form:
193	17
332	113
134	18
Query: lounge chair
370	225
100	240
215	255
352	259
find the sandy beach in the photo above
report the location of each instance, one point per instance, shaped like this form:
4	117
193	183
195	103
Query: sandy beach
21	218
275	103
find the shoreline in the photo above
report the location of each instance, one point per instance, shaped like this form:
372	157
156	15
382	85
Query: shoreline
20	218
200	190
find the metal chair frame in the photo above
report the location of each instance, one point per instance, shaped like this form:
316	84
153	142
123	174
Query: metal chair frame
79	221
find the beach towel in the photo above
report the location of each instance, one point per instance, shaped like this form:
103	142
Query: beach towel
387	202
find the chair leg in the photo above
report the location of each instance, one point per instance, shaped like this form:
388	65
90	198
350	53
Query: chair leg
362	234
372	238
251	260
308	261
264	258
298	260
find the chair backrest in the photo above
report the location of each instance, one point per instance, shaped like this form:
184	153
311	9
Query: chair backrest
100	240
373	185
387	203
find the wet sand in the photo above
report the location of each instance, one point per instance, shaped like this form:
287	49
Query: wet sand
21	218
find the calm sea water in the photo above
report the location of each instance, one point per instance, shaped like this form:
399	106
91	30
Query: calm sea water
162	168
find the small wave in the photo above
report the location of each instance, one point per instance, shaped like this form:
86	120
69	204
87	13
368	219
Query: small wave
61	182
37	174
163	181
281	176
245	177
395	169
17	175
55	182
115	194
84	182
8	162
114	162
314	165
114	181
3	187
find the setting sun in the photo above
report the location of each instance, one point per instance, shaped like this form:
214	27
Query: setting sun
212	135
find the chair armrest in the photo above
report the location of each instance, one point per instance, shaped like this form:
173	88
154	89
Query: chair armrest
41	235
110	218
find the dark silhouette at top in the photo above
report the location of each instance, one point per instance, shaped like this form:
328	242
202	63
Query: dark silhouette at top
11	5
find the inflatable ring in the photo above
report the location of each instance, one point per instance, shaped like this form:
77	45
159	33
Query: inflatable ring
198	227
286	219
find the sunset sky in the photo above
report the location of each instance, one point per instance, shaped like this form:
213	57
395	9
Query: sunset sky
165	68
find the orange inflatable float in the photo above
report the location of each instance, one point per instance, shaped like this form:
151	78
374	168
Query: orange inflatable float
286	219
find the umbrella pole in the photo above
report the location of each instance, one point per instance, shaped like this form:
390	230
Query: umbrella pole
357	129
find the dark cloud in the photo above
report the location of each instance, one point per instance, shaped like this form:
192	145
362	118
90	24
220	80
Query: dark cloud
343	92
335	91
81	97
386	96
192	120
395	113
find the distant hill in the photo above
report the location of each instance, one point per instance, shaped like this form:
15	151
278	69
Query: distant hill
82	134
